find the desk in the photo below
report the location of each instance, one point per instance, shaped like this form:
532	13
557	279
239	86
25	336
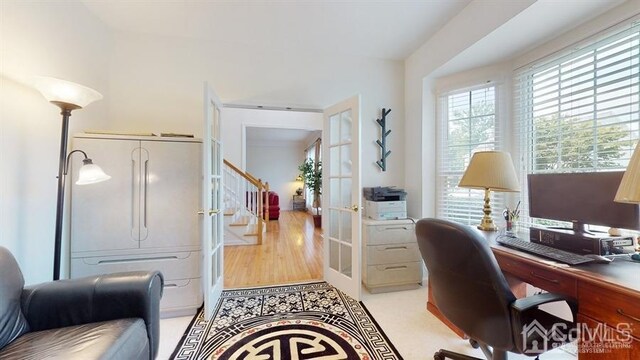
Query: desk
607	294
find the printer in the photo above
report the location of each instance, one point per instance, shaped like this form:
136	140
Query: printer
385	203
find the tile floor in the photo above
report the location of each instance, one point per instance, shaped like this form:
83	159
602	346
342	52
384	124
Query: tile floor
403	317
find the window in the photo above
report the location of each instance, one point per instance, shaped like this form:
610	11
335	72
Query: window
467	124
578	112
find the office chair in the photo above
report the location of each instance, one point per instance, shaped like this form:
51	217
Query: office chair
470	290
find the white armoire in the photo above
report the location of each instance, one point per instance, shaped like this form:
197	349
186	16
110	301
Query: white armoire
145	217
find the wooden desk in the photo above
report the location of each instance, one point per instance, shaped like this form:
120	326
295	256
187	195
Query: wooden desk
608	296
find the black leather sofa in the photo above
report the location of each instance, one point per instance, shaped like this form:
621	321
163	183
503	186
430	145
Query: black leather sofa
115	316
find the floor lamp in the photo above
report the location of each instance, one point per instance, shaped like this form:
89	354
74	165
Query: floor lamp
68	96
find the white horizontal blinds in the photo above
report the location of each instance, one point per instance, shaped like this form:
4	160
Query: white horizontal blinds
467	123
580	112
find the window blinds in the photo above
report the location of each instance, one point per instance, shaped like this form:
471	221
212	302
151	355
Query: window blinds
579	112
467	123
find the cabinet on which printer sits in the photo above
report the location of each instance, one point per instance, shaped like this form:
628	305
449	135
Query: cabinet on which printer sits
391	259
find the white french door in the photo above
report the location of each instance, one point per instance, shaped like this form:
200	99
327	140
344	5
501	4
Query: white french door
212	212
341	200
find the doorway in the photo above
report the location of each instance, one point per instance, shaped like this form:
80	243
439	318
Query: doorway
272	149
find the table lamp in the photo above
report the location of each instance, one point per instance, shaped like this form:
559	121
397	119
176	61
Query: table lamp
68	96
490	170
300	180
629	189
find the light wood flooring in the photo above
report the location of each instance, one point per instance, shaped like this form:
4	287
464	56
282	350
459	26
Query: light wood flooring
290	252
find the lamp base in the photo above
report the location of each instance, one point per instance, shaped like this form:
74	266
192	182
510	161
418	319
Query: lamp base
489	226
486	224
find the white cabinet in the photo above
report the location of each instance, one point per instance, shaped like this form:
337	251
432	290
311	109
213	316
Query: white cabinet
390	258
145	217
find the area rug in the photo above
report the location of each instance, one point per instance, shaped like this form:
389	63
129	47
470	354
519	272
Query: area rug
301	321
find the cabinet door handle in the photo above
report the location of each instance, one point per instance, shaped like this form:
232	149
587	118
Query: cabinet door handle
146	185
555	281
133	199
621	312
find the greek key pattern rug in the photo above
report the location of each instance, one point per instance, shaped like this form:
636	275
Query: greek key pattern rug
301	321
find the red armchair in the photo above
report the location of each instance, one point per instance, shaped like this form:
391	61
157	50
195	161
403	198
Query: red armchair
274	205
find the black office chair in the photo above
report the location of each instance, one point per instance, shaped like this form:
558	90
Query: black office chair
470	290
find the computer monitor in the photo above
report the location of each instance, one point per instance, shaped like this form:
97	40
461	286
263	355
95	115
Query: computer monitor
581	198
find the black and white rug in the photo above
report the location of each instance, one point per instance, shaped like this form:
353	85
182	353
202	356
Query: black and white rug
301	321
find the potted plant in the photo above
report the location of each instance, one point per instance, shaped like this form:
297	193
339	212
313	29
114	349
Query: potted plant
312	175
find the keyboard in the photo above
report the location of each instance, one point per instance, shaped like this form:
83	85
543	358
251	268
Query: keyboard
543	250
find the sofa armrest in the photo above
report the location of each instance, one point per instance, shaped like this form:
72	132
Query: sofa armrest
96	298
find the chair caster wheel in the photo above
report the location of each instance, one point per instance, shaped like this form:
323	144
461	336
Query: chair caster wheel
438	356
474	344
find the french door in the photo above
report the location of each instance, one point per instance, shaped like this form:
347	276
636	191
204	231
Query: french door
212	212
341	200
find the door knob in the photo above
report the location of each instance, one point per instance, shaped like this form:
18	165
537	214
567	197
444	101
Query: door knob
355	208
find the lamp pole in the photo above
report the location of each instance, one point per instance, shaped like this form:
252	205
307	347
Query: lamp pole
57	247
68	96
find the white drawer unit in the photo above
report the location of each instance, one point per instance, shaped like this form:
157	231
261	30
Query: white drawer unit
391	259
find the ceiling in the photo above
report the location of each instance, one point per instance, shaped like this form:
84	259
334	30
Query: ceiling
385	29
272	136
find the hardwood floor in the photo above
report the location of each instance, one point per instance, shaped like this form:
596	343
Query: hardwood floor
290	252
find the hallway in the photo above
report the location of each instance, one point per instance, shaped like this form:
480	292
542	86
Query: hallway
291	252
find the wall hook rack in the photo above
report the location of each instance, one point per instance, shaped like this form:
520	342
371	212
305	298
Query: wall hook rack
384	153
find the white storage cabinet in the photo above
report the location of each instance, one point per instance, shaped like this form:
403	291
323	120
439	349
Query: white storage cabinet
144	217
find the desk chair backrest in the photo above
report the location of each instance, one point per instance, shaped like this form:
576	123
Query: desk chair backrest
468	286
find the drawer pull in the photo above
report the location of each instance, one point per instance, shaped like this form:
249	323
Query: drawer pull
555	281
170	285
116	261
395	267
621	312
395	248
397	228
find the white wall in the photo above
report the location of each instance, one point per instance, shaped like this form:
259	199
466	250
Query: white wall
52	39
278	165
235	122
156	85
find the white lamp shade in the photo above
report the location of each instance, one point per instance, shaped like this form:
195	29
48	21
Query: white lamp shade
56	90
492	170
91	174
629	189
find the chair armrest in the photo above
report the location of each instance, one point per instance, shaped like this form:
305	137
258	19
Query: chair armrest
532	302
96	298
531	325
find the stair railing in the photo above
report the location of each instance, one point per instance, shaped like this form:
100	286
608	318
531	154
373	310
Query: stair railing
245	192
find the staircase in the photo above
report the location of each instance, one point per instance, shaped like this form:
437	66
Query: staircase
244	197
